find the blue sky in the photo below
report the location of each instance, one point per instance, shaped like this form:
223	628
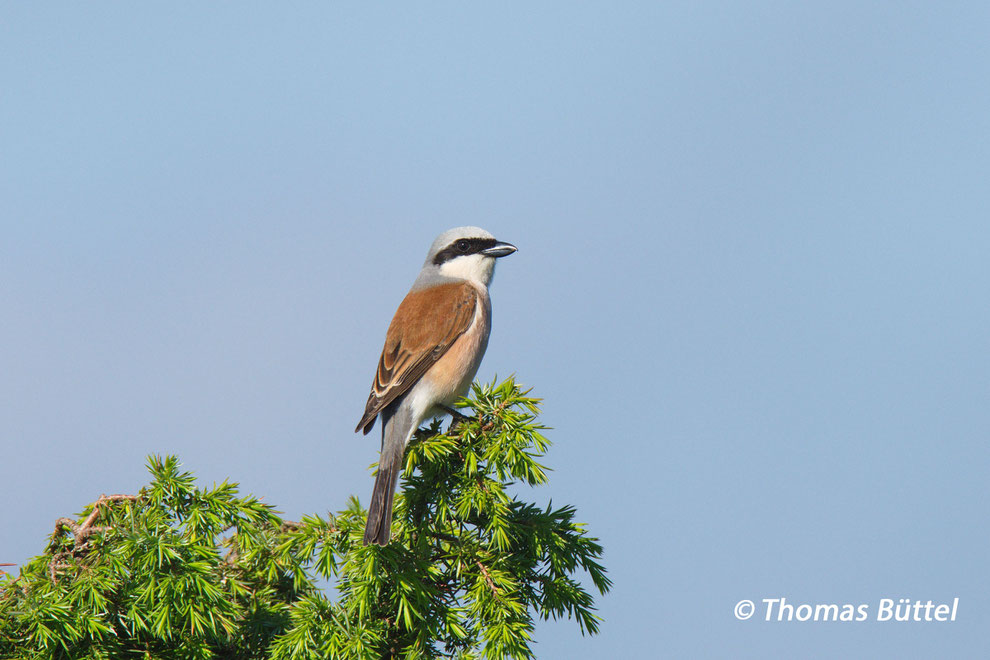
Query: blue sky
752	281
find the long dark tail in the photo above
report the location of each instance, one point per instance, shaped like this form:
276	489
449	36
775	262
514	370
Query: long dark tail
396	429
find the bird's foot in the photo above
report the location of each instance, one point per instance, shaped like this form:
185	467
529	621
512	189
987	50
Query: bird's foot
456	419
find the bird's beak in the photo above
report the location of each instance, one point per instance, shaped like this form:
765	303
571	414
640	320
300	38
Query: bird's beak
500	249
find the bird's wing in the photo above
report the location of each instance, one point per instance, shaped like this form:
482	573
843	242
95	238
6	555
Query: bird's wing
426	324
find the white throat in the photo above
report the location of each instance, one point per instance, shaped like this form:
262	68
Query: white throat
477	268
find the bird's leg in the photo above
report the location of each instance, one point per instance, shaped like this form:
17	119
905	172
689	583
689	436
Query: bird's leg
454	413
456	418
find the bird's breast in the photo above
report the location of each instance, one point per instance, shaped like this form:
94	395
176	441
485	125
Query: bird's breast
452	374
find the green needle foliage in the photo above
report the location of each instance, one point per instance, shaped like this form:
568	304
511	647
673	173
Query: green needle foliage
182	572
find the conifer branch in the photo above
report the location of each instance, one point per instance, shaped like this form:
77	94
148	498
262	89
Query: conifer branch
201	572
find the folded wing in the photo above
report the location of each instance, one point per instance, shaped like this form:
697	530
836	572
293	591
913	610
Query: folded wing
424	327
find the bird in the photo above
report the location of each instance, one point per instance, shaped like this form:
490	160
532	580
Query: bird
433	348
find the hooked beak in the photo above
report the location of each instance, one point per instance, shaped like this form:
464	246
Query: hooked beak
500	249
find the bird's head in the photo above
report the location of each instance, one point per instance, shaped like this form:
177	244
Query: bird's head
466	253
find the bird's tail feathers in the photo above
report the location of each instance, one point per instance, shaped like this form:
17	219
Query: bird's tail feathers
396	429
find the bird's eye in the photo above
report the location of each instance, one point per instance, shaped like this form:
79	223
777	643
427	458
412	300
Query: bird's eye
463	245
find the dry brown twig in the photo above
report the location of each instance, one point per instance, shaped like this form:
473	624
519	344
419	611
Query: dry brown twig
81	532
488	577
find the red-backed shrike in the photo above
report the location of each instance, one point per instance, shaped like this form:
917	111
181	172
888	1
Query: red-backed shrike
433	348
